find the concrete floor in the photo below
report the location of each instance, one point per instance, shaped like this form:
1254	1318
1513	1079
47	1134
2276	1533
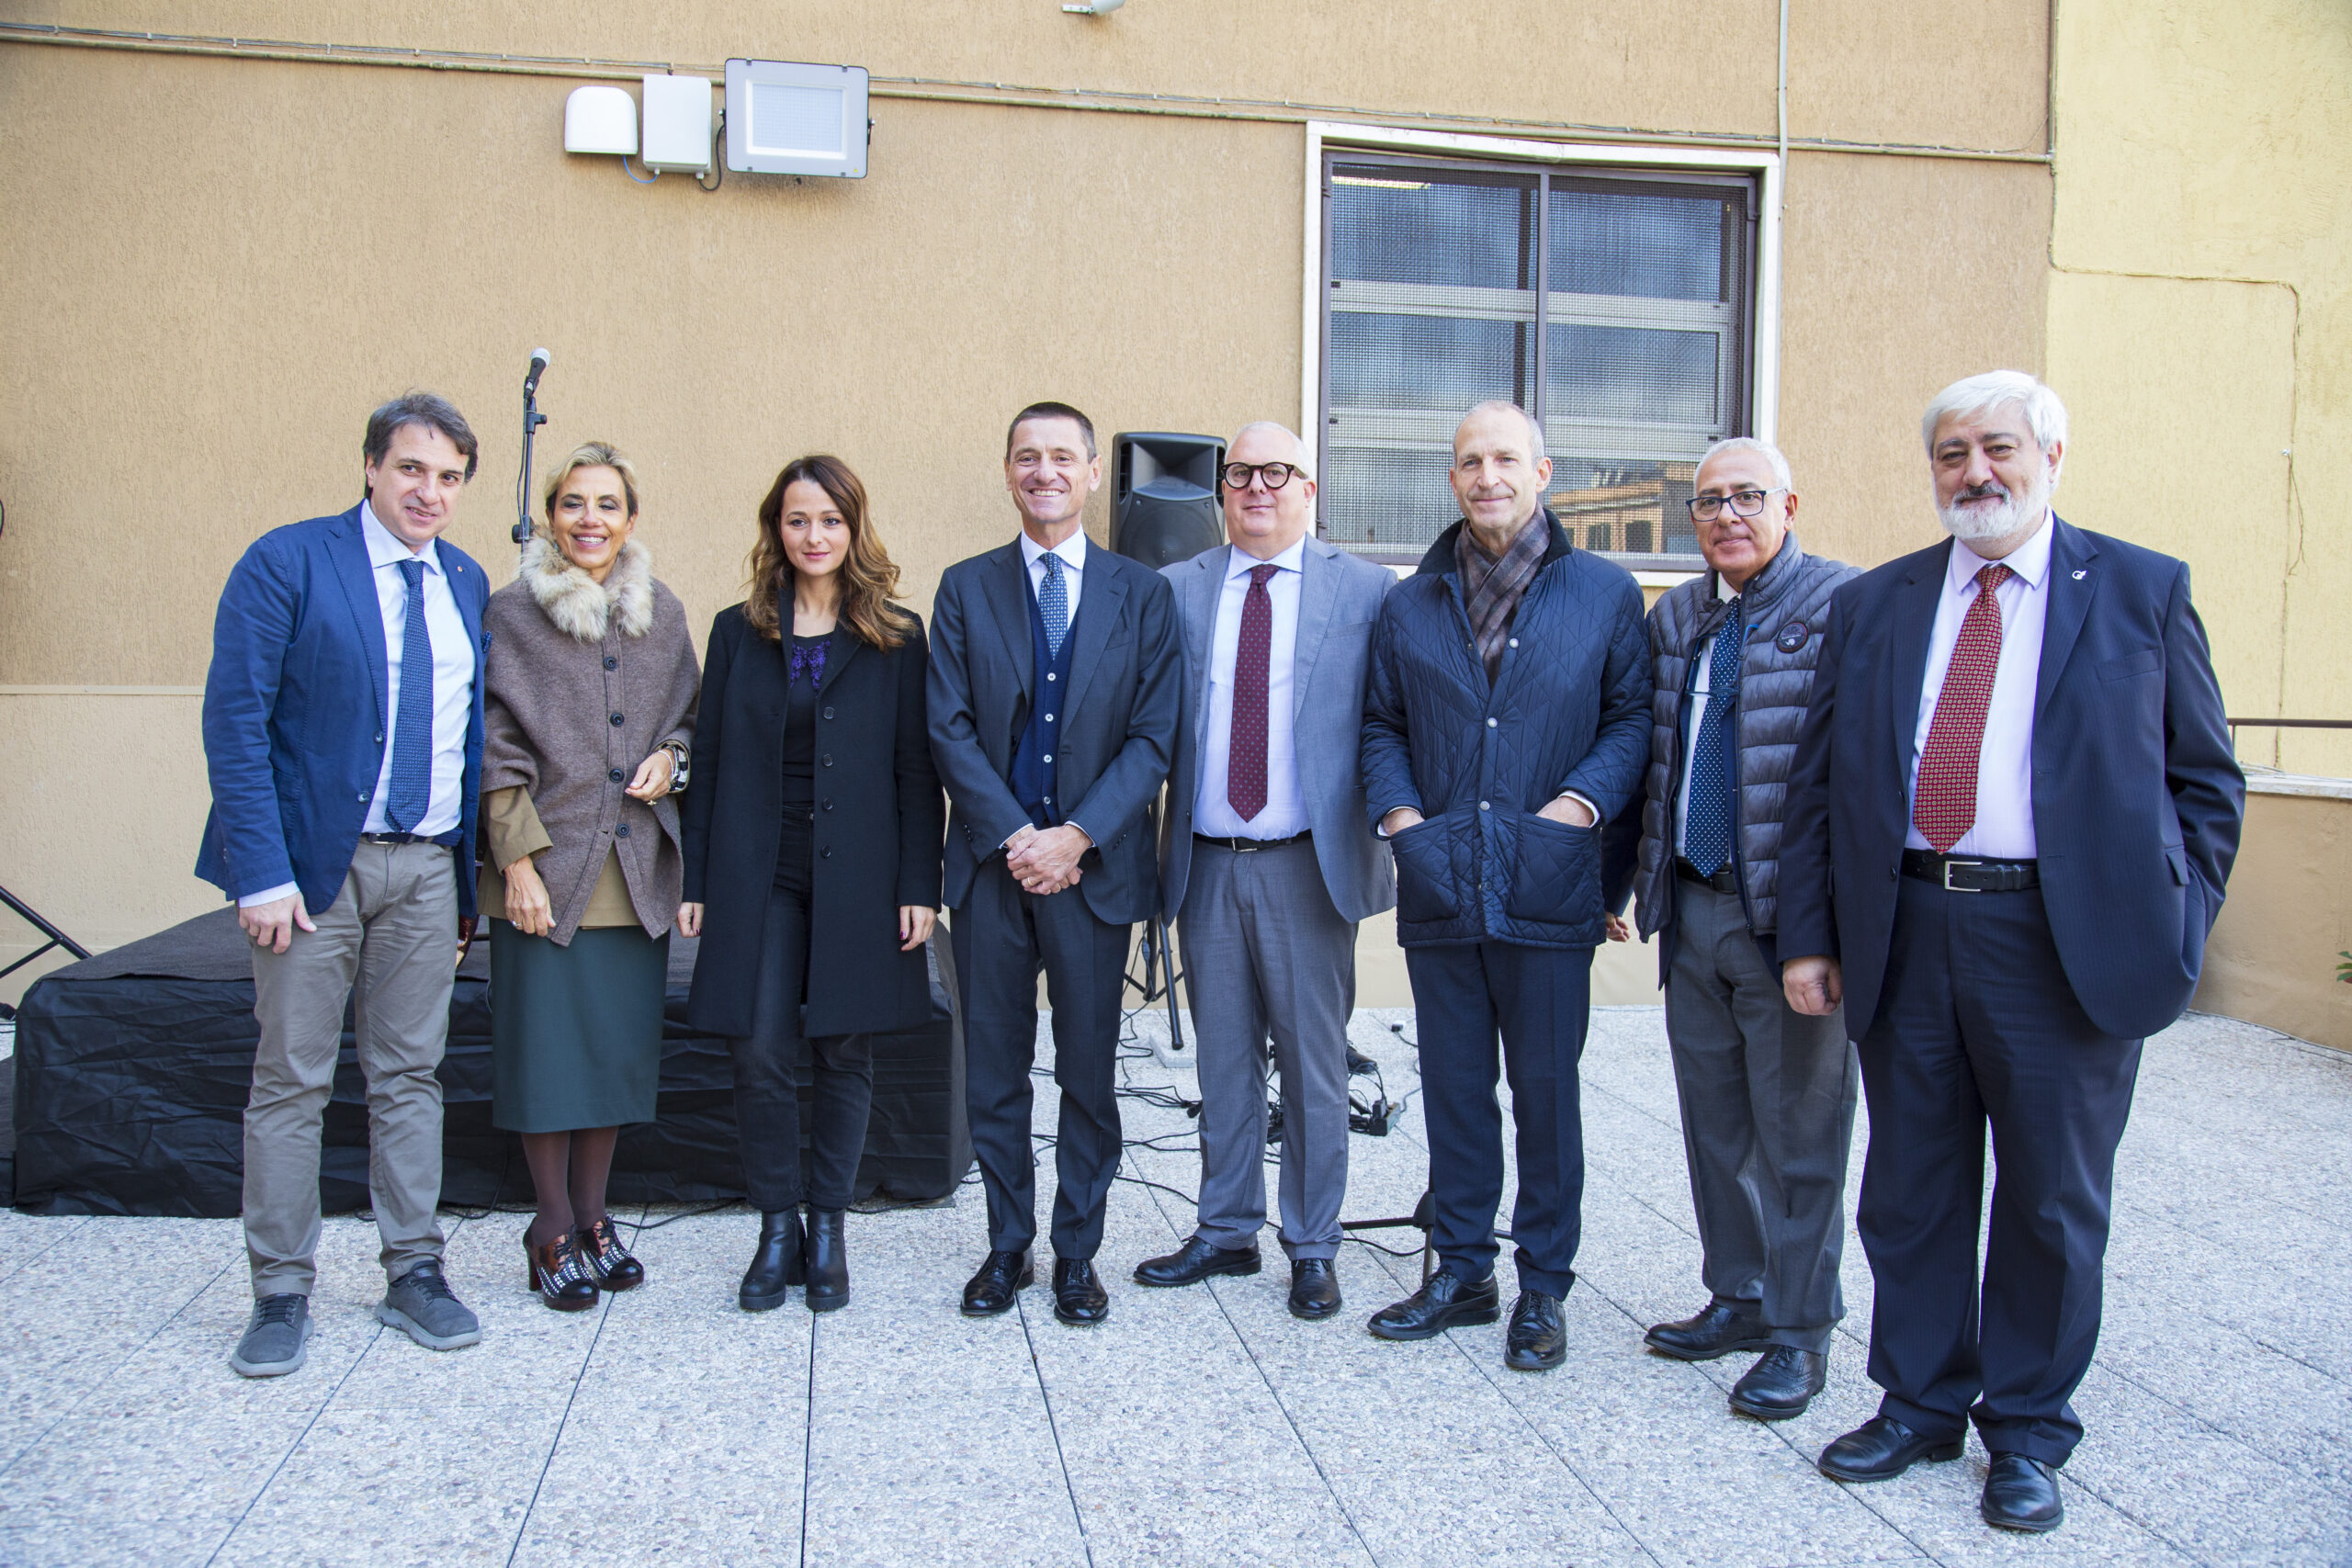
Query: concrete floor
1202	1426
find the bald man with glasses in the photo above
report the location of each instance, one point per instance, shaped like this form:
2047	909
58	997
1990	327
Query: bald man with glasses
1265	862
1767	1092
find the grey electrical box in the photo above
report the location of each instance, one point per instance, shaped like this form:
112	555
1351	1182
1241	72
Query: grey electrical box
784	119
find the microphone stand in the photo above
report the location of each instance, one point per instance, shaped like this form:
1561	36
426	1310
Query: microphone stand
532	420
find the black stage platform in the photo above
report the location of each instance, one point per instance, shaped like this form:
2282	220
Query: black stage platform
132	1068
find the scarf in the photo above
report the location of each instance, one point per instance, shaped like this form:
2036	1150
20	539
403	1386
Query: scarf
1492	589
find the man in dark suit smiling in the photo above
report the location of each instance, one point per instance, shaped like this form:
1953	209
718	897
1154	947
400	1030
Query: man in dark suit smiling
2013	813
1053	696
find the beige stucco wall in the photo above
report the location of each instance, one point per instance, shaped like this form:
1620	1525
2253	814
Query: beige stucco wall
2200	327
2273	954
213	268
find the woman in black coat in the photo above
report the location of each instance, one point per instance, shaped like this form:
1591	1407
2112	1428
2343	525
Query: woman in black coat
812	858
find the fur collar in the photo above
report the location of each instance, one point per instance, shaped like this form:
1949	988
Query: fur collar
580	606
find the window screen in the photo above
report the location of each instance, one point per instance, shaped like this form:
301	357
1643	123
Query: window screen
1615	310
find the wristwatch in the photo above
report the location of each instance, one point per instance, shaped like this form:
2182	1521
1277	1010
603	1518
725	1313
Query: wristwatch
679	770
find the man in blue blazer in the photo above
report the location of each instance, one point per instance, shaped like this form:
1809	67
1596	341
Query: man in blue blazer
1054	691
2013	812
343	725
1267	863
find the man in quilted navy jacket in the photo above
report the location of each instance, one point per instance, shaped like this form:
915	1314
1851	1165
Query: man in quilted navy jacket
1506	719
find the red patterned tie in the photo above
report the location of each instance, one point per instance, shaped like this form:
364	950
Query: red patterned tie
1245	755
1943	807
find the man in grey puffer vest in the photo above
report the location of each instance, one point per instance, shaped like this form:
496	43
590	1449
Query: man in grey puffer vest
1767	1092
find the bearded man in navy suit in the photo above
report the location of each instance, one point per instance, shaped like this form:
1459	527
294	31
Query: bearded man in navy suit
2013	814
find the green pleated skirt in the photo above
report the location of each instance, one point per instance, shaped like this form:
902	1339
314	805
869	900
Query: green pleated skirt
575	1032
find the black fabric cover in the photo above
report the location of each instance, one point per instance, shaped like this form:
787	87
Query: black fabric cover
132	1069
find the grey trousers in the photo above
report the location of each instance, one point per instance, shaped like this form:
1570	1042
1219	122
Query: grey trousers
1265	952
389	943
1767	1114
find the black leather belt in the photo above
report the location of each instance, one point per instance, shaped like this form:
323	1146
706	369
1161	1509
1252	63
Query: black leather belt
1958	874
406	839
1247	846
1724	881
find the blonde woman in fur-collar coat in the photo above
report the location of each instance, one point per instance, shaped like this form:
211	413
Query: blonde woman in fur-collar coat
589	716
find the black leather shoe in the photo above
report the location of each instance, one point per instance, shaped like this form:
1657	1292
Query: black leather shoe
2022	1493
827	1256
1445	1301
1314	1288
1716	1330
1001	1278
610	1261
776	1262
1881	1448
1781	1384
1537	1339
1196	1261
1079	1296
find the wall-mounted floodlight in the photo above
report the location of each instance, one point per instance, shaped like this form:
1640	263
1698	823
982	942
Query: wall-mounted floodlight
784	119
677	124
600	119
1099	8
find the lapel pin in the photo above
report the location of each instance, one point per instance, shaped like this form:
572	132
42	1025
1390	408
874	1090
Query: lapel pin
2080	575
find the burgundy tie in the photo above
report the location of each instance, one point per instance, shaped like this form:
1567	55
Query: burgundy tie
1943	807
1245	756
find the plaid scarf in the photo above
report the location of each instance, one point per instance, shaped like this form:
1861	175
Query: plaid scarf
1492	589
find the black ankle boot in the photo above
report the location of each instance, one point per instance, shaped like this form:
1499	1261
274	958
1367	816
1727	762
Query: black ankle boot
827	1261
775	1266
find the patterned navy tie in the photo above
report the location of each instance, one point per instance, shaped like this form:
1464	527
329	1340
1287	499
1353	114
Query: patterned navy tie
411	782
1053	605
1706	834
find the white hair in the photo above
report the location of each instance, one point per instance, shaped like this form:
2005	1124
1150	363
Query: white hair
1305	456
2045	416
1764	449
1504	405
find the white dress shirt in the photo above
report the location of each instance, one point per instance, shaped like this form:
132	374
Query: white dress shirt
1284	812
2003	826
452	683
1073	553
1702	658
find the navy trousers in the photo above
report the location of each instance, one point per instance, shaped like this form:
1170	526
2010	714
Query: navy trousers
1978	1028
1539	1000
1004	937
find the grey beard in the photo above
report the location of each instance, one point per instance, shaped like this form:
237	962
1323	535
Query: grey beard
1978	526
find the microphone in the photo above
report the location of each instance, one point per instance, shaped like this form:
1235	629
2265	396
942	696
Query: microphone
539	357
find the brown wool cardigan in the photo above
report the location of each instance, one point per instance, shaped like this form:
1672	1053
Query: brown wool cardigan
584	681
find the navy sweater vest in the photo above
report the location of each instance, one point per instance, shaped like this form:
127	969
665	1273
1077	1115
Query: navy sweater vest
1032	758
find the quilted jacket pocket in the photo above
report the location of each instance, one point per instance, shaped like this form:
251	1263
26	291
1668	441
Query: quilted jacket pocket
1425	888
1556	879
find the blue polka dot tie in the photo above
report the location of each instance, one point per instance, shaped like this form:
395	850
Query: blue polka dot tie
1706	832
1053	605
411	782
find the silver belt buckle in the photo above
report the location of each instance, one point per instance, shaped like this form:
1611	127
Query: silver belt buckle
1947	876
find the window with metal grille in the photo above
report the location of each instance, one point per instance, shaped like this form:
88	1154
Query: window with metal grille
1617	309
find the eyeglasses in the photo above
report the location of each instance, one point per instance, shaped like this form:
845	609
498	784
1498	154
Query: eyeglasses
1743	502
1237	475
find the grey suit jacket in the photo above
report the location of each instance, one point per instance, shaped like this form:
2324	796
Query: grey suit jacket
1117	723
1339	601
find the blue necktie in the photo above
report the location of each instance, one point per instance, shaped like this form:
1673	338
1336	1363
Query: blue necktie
411	782
1053	605
1706	832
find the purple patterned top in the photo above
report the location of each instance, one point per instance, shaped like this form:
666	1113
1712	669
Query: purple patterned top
806	659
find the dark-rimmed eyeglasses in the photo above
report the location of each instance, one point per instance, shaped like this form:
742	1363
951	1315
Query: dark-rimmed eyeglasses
1743	503
1237	475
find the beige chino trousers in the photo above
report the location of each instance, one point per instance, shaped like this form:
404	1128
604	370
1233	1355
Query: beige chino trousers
389	943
